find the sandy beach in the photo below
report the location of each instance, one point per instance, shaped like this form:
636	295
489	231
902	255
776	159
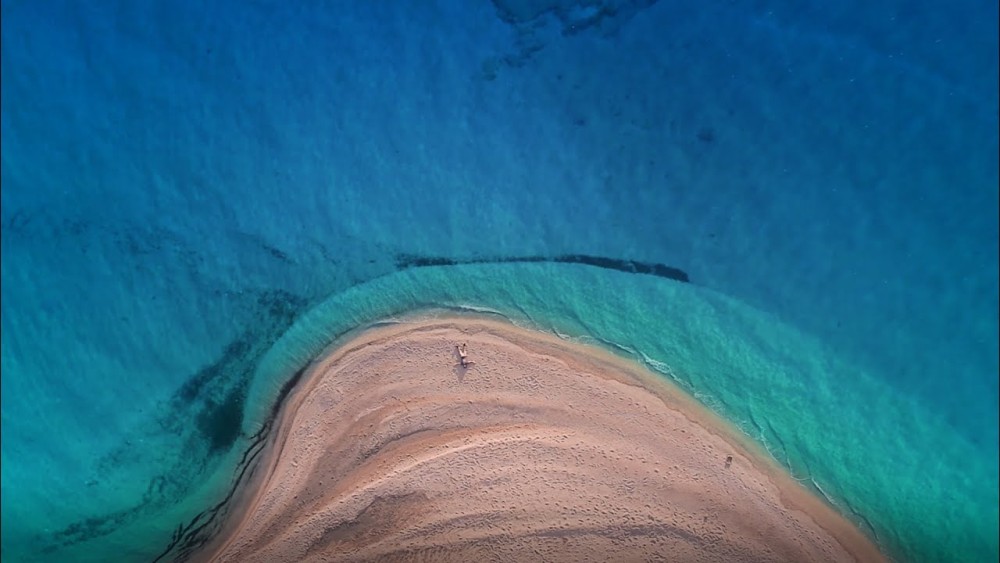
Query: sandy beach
541	450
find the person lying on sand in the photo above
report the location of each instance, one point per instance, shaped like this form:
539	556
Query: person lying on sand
463	356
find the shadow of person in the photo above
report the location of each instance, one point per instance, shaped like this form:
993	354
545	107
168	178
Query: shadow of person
462	368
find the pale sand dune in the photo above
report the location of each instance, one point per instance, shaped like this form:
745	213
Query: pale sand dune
542	451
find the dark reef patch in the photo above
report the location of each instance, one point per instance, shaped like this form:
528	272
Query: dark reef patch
406	261
220	421
530	21
194	386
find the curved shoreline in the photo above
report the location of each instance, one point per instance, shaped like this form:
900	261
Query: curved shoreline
544	448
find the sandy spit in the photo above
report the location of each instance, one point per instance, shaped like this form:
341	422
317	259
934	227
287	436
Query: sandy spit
542	450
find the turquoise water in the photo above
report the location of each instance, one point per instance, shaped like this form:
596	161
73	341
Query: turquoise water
196	200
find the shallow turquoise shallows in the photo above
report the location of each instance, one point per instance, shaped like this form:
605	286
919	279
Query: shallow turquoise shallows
787	208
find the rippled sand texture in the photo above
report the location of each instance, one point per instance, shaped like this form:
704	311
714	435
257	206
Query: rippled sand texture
541	451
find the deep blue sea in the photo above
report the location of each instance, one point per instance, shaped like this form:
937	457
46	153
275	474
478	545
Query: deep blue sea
787	208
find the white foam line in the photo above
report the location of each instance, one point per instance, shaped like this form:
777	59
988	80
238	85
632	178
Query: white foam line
828	498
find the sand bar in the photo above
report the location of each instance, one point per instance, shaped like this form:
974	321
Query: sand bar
541	450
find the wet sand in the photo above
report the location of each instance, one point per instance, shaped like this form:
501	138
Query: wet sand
543	450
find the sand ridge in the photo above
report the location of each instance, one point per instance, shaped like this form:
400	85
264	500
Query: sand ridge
543	450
